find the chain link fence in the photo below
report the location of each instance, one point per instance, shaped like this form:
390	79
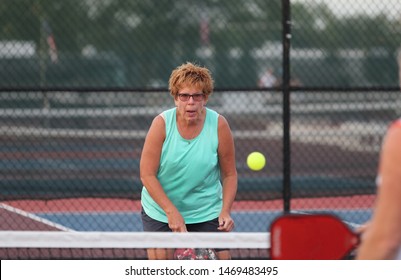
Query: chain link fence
82	81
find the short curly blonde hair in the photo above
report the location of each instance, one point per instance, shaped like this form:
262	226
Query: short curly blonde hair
191	75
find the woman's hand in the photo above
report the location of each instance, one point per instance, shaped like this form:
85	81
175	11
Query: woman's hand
226	223
176	222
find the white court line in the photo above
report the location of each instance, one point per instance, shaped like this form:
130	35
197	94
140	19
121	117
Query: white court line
34	217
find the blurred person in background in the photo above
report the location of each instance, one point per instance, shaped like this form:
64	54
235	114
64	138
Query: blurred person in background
267	79
381	239
188	164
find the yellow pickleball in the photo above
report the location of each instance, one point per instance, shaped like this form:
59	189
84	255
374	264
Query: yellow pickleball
256	161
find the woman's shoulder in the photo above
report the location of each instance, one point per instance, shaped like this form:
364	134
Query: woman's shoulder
393	138
211	112
165	115
396	124
168	112
394	130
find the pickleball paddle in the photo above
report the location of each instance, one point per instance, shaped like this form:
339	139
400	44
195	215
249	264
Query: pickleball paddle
195	254
311	237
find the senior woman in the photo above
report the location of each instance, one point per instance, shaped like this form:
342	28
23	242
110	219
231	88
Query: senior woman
188	164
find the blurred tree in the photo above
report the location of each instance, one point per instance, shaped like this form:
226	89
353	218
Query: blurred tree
21	20
144	40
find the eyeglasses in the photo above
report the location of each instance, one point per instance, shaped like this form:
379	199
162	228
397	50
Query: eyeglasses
196	97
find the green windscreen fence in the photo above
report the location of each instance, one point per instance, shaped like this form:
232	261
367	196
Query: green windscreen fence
81	82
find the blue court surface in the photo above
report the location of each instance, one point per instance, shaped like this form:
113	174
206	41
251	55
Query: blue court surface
246	221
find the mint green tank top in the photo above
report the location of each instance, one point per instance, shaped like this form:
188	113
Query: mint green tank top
189	172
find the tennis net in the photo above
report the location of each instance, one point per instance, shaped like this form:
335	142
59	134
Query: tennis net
124	245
